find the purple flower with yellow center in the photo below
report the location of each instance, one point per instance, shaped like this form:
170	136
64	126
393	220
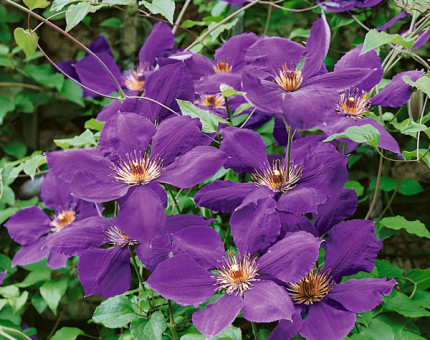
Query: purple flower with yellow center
305	95
138	154
325	306
247	279
140	225
347	5
32	227
314	172
354	103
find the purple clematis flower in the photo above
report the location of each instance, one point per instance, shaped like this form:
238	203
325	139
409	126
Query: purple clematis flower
200	268
31	227
329	305
89	72
304	95
347	5
353	103
140	225
178	155
316	171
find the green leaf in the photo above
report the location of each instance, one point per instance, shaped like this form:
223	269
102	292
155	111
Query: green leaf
356	186
58	5
25	41
39	304
299	33
410	187
53	291
8	196
413	155
34	277
422	83
14	148
18	302
164	7
112	22
76	13
6	213
241	108
84	139
94	124
422	298
386	184
209	121
402	304
228	91
412	227
137	327
386	269
73	92
33	4
360	134
375	39
377	330
6	105
405	335
230	333
154	328
67	333
31	165
115	312
420	276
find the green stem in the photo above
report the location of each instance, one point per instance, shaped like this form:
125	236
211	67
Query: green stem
136	268
269	16
172	325
4	331
169	188
254	330
227	109
290	139
378	182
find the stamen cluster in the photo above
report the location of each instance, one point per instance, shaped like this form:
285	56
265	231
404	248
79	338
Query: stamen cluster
353	103
216	101
62	219
135	79
289	80
222	67
313	288
116	237
278	177
236	274
138	169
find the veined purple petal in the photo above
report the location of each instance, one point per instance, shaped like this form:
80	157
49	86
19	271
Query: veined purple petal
203	244
175	137
160	41
179	222
234	49
31	253
285	329
290	259
317	46
223	196
392	21
182	280
218	315
255	225
109	111
351	247
56	261
292	223
265	301
105	271
246	149
28	225
397	92
153	254
124	134
193	167
325	322
55	193
301	200
340	80
423	38
100	45
210	85
360	296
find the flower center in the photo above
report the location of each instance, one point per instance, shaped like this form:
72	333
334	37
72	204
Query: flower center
353	103
62	219
313	288
116	237
222	66
138	169
236	274
216	101
135	79
277	177
289	80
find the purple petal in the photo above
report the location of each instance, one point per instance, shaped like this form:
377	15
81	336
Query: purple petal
203	244
317	46
56	261
55	193
423	38
351	247
2	275
126	133
301	200
158	42
265	301
153	254
291	258
105	271
223	196
109	111
392	21
340	80
335	209
255	224
234	49
370	60
182	280
360	296
95	77
327	323
218	315
100	45
194	167
31	253
246	149
28	225
287	329
179	222
211	84
292	223
175	137
397	92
